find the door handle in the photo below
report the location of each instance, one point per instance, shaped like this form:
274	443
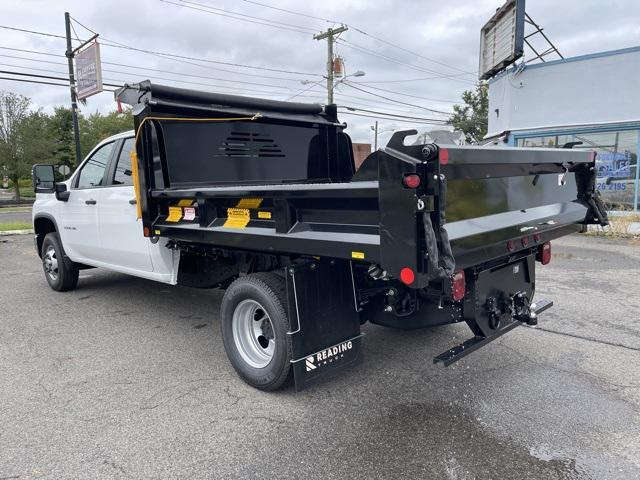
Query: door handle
90	202
133	201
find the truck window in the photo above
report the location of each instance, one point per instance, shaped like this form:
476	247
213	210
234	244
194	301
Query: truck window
122	175
92	173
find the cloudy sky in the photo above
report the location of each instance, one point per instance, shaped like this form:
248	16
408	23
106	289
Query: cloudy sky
418	55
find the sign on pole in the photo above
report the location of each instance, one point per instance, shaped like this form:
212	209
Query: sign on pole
502	39
88	71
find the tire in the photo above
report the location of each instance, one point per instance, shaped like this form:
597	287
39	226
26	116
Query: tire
60	272
254	324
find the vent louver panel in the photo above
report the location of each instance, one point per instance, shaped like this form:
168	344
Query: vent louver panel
249	145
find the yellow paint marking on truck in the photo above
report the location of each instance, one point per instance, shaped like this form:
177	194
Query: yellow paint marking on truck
185	202
264	215
249	203
175	214
358	255
237	218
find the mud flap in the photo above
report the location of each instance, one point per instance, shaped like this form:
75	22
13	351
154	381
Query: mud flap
324	325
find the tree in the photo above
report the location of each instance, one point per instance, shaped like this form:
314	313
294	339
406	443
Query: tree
24	138
472	117
96	127
61	129
13	110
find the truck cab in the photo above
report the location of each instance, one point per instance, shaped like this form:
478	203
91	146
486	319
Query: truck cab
94	215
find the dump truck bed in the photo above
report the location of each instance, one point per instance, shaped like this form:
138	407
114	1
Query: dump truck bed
295	162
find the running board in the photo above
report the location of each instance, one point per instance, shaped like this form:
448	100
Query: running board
471	345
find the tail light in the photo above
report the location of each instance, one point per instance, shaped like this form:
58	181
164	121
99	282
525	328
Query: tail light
458	285
511	245
411	180
407	276
544	253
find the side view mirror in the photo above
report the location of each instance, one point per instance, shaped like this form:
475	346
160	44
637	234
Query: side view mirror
44	181
43	178
62	193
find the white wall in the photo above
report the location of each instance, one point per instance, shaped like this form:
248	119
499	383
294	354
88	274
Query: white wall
604	88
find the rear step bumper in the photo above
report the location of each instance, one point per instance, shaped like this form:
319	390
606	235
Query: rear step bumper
460	351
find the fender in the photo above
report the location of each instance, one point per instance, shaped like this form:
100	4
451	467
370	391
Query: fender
38	238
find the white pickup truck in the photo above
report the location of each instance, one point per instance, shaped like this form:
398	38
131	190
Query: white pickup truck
95	224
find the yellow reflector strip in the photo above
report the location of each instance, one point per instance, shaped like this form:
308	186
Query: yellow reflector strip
358	255
175	214
136	182
265	215
237	218
249	203
185	202
157	232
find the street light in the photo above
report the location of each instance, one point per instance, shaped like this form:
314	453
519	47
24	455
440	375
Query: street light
357	73
391	128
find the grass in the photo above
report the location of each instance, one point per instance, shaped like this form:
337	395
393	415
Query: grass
14	209
618	227
5	227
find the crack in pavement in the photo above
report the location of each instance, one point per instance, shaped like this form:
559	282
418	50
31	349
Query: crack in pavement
589	339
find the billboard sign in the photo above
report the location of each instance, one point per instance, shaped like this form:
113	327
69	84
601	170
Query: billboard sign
502	39
88	71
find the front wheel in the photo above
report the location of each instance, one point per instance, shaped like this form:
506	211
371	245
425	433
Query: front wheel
60	272
254	327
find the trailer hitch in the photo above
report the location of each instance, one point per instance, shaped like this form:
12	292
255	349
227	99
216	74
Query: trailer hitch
530	317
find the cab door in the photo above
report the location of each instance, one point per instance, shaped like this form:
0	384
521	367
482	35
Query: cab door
123	244
79	232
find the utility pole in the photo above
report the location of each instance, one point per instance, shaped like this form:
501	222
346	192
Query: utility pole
375	141
330	36
72	87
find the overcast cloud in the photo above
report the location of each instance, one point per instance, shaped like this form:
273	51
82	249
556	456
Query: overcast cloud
446	32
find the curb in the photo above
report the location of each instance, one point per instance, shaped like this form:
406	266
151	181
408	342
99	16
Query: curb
16	232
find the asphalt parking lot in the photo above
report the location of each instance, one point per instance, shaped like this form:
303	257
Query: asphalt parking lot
127	378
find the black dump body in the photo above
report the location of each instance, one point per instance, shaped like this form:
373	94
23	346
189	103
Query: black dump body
278	178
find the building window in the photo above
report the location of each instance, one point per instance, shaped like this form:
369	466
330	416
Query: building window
617	161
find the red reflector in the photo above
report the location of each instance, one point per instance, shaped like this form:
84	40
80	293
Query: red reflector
407	276
411	181
458	285
544	253
511	245
525	241
443	156
146	232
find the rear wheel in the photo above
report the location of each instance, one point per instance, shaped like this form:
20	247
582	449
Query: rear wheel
254	327
60	272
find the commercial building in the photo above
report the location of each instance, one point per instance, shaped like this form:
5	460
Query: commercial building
589	102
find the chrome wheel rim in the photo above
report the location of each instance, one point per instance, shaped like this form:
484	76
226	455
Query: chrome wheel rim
50	263
253	333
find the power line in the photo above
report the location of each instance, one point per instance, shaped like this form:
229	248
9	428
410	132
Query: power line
33	81
393	118
48	77
227	13
405	80
114	44
400	62
349	84
411	96
291	12
359	30
32	31
391	114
